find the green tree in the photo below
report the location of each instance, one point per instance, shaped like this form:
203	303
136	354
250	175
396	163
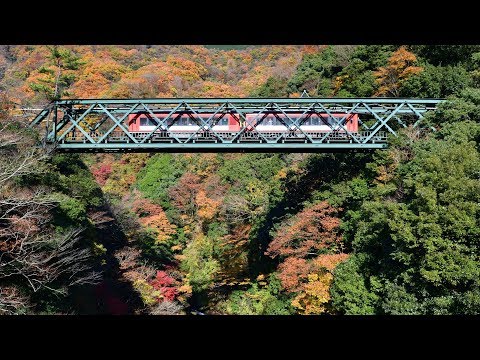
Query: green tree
355	80
415	243
315	73
349	291
443	55
259	300
200	263
274	87
436	82
160	173
57	74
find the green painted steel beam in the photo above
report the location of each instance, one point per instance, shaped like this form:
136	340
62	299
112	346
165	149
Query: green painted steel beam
250	109
41	116
381	100
212	146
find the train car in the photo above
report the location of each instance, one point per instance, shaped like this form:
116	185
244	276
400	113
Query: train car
140	124
314	123
181	126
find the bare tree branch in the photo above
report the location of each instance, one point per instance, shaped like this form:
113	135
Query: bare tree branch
12	301
167	308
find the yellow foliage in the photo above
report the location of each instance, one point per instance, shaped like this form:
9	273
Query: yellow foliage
99	249
187	230
282	174
176	247
147	292
160	225
339	80
202	164
316	295
185	289
179	257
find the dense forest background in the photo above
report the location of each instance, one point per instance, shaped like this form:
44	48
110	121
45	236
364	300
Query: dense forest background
386	232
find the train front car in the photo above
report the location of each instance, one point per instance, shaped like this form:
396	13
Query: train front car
181	125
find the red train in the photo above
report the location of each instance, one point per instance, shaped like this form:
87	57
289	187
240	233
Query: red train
316	123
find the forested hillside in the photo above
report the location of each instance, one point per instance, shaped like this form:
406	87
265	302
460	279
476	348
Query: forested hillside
395	231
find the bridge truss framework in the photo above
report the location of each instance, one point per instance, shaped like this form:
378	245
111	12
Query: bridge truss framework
101	125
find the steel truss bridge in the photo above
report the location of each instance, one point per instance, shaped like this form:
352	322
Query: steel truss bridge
101	125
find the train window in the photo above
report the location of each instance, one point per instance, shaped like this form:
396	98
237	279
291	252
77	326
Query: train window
208	119
144	121
334	121
184	121
313	120
272	120
223	121
323	120
215	120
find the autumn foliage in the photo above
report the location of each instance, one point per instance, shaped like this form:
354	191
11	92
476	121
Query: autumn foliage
101	173
401	65
310	247
245	233
152	216
164	283
184	193
292	272
308	233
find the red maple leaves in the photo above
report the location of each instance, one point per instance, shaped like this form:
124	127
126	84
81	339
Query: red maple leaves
163	283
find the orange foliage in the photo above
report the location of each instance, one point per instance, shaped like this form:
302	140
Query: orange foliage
311	230
330	261
312	49
183	194
304	271
187	69
401	65
158	71
291	272
152	216
207	208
